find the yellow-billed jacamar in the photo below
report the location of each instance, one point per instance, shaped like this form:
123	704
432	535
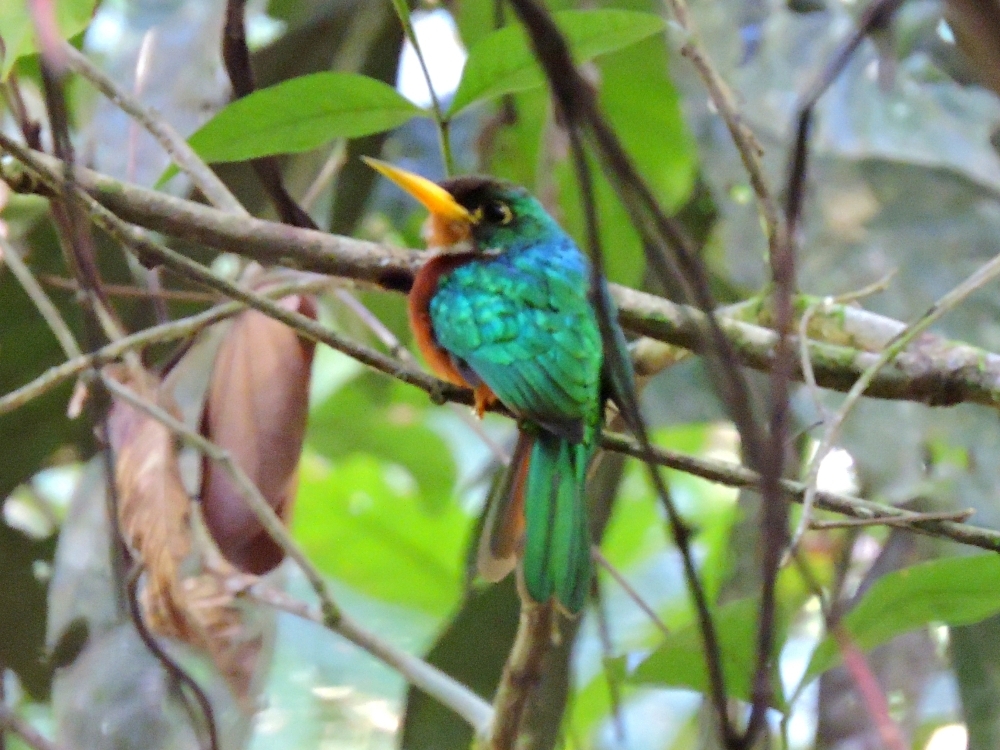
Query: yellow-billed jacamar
503	308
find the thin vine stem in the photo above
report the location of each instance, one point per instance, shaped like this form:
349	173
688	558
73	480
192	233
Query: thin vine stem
441	120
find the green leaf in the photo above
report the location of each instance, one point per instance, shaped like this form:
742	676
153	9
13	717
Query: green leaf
680	660
503	62
977	670
487	616
952	591
22	608
379	417
361	523
301	114
18	31
402	9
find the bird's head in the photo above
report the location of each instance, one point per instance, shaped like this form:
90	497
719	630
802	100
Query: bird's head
482	211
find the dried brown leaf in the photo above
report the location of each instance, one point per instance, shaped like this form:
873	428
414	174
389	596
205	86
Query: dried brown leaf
153	506
256	410
187	587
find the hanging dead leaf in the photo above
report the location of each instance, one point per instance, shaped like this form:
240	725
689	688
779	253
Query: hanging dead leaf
256	410
186	591
153	507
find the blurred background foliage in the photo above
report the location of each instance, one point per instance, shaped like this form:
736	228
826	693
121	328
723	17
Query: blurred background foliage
906	180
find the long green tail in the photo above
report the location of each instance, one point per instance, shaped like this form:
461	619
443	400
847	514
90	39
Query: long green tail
556	562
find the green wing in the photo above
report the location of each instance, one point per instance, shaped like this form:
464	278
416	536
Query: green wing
531	337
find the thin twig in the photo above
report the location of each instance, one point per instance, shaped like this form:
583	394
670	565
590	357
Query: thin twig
170	665
31	736
850	523
45	306
202	177
629	589
440	118
476	712
121	290
327	174
607	653
743	138
31	129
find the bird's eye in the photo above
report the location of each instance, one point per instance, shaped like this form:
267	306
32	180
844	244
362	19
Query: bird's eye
496	212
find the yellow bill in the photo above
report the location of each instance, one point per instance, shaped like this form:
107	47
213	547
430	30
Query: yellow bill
435	198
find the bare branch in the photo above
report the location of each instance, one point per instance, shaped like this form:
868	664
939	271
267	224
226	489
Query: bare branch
522	673
743	138
176	147
932	370
735	475
852	523
177	329
621	580
477	712
46	308
31	736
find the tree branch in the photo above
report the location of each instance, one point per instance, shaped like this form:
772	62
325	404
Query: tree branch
931	370
522	673
477	712
203	178
736	475
31	736
451	693
172	331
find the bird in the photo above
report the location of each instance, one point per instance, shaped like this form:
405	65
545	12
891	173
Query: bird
503	307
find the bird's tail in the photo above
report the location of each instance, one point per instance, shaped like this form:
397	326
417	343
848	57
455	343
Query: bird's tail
540	511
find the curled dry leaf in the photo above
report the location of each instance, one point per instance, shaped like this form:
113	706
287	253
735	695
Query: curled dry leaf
256	410
186	588
153	507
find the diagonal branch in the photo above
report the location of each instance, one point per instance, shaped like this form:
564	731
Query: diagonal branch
31	736
723	472
451	693
932	370
166	332
169	139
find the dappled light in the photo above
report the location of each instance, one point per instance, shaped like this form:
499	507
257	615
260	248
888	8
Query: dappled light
499	374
